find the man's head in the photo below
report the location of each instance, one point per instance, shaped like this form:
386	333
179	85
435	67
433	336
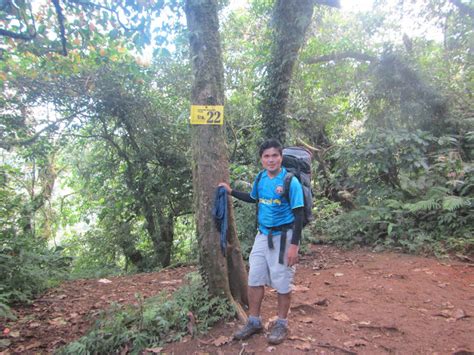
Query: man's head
271	156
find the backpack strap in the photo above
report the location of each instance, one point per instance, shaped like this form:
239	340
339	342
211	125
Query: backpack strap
286	185
257	180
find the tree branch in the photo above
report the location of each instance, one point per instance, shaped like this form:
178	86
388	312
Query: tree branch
362	57
25	36
52	126
14	35
464	8
98	6
59	12
332	3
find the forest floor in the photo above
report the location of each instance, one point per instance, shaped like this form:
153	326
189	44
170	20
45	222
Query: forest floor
345	302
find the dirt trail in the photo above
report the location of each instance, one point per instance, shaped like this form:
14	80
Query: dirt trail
345	302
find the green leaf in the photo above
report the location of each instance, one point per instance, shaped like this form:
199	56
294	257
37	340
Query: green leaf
451	203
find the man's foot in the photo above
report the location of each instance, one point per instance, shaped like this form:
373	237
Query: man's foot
278	333
248	330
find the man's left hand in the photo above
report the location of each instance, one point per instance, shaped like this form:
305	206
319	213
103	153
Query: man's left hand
292	255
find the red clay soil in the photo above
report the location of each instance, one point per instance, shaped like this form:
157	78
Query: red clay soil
345	302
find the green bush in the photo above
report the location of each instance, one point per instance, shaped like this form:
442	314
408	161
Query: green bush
153	322
414	193
27	268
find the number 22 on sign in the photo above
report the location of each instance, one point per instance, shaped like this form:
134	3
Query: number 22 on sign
208	114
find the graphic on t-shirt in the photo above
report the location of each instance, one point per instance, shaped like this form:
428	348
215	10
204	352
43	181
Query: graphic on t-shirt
279	190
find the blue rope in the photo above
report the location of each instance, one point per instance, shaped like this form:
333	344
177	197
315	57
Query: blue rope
219	212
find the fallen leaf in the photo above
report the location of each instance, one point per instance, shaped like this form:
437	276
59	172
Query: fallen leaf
354	343
35	344
294	337
299	288
104	281
322	302
304	308
459	314
6	331
306	320
4	343
270	349
15	334
34	325
57	321
443	284
205	342
171	282
338	274
304	346
339	316
222	340
447	305
61	297
154	350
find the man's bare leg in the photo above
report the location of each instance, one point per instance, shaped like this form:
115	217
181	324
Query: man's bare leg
254	324
284	301
279	331
255	294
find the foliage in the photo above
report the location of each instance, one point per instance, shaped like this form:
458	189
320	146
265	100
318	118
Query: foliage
48	27
27	268
154	321
414	192
95	150
185	248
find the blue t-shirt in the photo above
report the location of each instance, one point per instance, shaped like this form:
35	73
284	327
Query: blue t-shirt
273	208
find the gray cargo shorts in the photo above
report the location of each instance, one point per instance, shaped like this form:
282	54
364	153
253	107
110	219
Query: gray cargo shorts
265	268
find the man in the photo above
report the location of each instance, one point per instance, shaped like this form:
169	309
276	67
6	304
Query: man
275	250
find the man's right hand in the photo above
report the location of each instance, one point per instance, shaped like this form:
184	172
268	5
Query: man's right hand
226	187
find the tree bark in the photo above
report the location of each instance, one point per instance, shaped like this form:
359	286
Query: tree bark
225	276
291	20
166	222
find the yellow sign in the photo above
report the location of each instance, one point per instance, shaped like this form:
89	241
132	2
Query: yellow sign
207	114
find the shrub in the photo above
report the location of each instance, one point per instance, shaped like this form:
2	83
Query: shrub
153	322
27	268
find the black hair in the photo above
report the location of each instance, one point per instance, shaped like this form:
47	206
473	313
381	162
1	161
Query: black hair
270	143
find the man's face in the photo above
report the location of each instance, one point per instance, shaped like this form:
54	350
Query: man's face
271	160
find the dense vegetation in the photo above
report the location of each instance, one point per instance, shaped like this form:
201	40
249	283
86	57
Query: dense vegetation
95	169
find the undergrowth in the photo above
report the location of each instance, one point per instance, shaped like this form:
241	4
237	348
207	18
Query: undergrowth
154	321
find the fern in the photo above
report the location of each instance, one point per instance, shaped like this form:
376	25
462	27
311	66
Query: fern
451	203
423	205
394	204
154	321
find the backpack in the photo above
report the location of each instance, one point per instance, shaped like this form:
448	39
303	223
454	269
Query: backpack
297	162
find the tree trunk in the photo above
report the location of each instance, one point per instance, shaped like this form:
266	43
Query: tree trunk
291	20
225	276
166	222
